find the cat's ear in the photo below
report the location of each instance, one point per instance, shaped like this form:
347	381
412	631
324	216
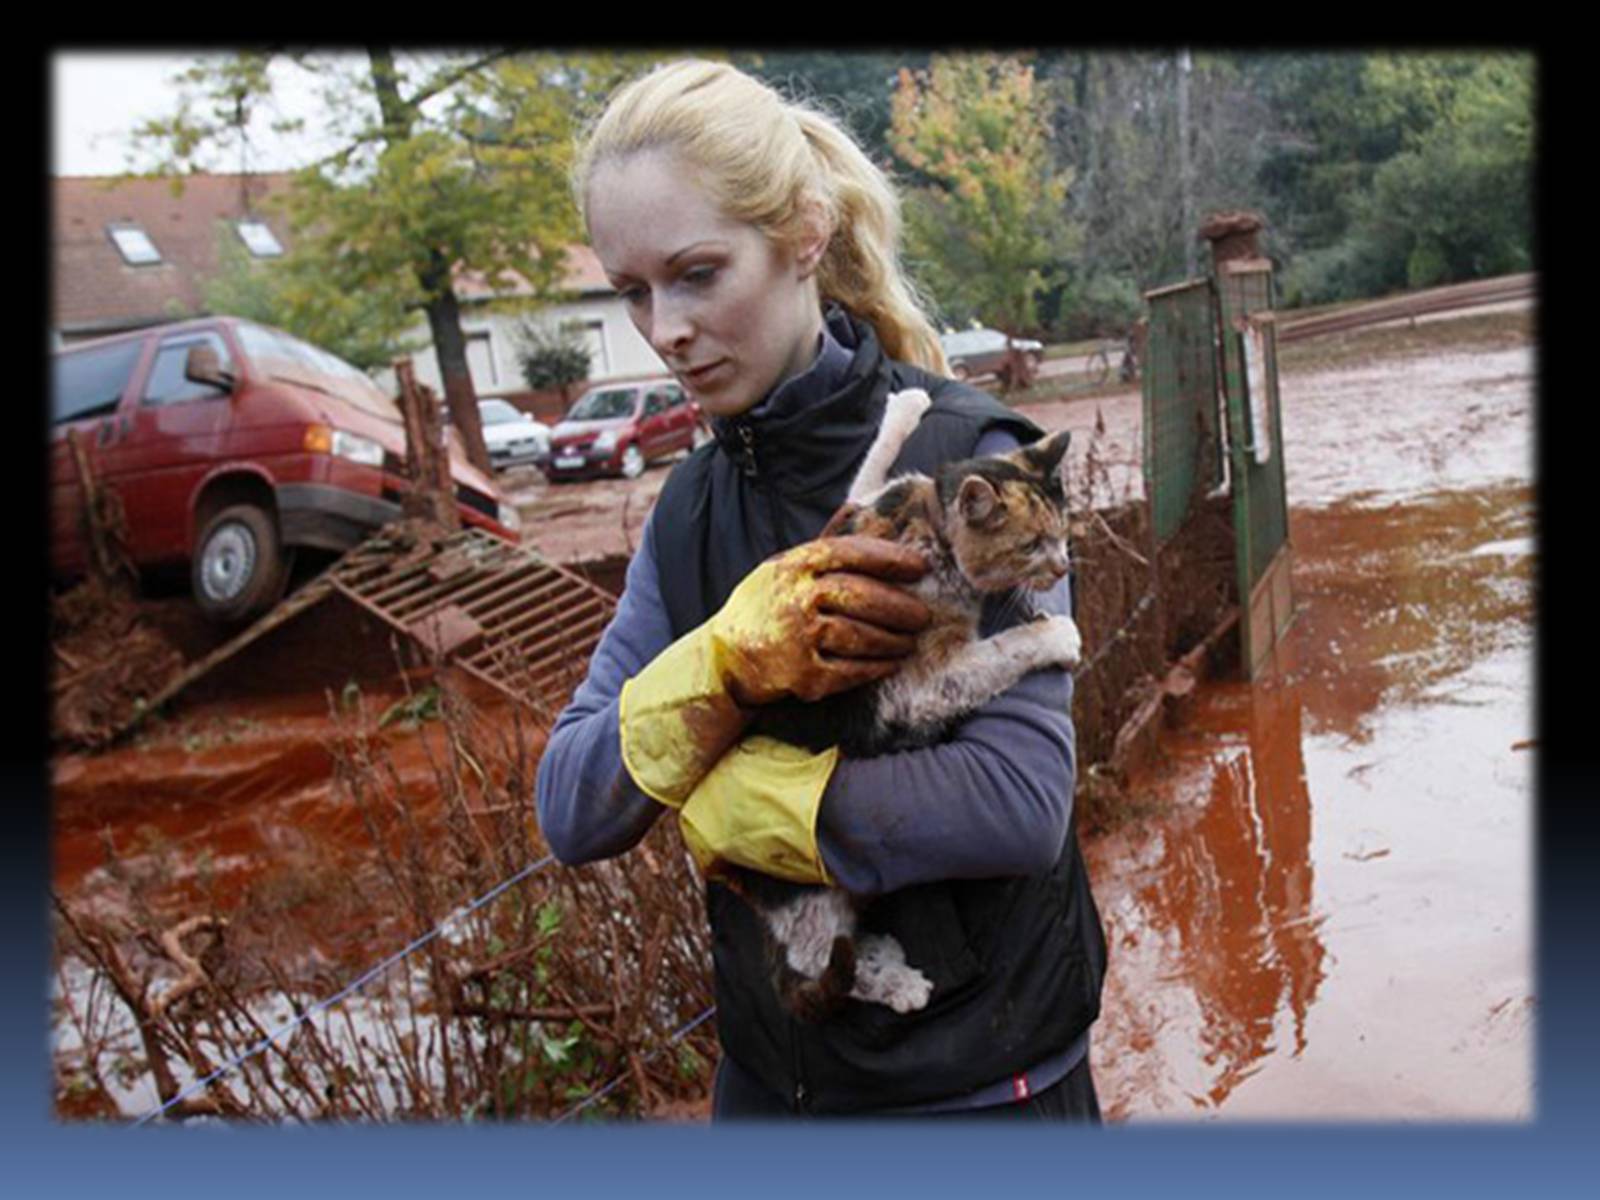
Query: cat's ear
978	500
1047	455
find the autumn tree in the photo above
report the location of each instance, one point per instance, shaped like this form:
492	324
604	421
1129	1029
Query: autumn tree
446	164
984	214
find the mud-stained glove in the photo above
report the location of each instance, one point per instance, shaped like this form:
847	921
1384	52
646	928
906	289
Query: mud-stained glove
757	808
821	618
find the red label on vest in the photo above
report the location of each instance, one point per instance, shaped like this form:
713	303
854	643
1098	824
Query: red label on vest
1019	1087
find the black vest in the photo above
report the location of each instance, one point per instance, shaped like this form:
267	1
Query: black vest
1016	963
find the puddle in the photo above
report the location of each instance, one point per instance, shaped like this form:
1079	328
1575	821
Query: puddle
1332	918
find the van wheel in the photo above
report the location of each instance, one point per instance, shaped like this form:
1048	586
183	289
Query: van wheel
239	570
632	461
960	371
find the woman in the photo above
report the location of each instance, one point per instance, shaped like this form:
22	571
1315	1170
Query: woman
755	246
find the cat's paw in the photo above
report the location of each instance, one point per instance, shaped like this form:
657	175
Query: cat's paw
1060	642
908	990
907	406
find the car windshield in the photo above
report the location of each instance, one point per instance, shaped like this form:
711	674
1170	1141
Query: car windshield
601	405
498	412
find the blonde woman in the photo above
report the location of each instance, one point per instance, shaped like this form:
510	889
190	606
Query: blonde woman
756	248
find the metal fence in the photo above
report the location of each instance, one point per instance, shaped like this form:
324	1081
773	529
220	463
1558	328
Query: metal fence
1181	452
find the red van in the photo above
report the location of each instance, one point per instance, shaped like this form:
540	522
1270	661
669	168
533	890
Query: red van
230	443
616	428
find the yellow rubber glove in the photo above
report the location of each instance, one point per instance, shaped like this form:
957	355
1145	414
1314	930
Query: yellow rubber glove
809	622
757	808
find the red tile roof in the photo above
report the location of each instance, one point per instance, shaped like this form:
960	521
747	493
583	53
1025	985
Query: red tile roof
95	289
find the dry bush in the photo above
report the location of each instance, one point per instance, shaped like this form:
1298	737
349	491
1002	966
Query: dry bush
566	984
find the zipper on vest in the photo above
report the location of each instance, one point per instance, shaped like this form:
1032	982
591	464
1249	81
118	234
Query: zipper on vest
747	448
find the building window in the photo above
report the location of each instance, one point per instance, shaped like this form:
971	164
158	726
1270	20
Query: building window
134	244
259	239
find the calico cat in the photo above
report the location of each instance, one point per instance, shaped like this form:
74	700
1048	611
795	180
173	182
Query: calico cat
987	526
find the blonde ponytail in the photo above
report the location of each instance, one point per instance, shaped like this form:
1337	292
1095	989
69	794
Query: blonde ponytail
776	165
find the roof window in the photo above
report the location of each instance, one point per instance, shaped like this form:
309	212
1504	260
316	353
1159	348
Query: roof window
259	239
134	244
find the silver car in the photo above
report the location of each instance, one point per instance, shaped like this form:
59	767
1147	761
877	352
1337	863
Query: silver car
511	435
975	352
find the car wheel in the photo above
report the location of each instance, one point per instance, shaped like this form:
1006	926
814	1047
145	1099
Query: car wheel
238	570
632	461
960	371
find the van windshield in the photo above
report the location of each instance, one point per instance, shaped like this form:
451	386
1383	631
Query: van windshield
602	405
286	357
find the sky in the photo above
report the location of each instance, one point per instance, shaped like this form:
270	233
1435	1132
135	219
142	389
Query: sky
97	99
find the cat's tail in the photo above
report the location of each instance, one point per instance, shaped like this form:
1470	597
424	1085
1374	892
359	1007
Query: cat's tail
818	999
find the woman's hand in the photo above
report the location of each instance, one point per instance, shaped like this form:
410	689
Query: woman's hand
821	618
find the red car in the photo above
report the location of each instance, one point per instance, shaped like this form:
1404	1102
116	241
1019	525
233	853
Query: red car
230	444
616	428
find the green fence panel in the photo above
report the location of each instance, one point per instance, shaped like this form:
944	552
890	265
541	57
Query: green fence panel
1181	455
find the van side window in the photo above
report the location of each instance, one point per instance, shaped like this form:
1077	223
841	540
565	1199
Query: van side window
89	383
653	404
168	385
674	397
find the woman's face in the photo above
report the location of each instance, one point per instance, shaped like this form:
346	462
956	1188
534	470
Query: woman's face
731	313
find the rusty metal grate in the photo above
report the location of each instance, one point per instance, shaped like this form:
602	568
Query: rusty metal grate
502	613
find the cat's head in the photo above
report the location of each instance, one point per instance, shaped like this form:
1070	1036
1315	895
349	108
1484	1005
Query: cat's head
1006	516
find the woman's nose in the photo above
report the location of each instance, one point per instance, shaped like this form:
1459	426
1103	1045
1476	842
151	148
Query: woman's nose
669	327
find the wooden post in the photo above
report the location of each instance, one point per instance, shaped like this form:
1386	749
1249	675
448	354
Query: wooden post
103	524
432	496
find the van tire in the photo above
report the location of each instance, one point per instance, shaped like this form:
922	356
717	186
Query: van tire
238	569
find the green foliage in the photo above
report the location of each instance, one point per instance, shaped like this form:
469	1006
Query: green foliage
365	327
414	709
551	356
986	215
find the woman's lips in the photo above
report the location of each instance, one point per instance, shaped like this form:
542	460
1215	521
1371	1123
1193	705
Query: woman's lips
698	376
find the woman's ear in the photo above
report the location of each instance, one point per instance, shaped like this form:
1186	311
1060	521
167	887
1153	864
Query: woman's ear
815	234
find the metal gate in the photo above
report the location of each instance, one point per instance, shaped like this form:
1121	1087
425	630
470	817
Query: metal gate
1255	456
1182	459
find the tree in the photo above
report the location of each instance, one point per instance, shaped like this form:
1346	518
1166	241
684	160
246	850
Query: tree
446	163
986	213
363	327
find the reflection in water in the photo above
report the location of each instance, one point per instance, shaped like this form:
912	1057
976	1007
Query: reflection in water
1227	899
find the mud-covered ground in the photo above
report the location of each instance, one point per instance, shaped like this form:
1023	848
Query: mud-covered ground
1327	910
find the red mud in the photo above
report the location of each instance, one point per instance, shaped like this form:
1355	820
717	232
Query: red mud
1329	914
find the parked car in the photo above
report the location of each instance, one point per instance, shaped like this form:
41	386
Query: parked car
616	428
511	435
975	352
230	444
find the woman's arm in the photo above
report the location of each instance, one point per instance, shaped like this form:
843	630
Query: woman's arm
994	800
588	806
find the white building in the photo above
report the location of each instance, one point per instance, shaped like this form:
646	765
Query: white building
598	314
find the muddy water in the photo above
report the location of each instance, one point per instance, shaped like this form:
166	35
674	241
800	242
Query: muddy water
1330	913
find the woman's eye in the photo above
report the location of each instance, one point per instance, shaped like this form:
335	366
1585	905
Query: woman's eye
632	295
700	276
